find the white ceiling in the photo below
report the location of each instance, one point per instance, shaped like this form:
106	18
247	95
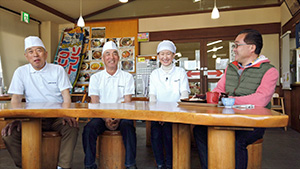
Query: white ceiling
66	11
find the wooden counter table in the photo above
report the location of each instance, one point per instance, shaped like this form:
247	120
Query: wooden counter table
222	123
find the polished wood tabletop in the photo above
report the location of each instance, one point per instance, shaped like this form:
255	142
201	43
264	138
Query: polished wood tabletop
143	110
221	124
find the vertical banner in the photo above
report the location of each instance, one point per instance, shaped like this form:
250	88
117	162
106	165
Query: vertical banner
69	50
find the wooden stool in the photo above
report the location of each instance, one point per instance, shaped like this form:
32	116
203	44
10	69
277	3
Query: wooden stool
277	104
3	123
255	155
50	149
112	150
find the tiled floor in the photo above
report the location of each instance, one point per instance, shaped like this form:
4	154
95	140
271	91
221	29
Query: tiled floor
281	150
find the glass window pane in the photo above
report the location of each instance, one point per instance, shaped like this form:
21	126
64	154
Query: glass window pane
218	54
188	55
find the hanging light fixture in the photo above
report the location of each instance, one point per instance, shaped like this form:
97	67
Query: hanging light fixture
123	1
215	12
214	56
80	21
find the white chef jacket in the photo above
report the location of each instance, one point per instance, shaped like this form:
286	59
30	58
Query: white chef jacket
111	88
168	86
43	85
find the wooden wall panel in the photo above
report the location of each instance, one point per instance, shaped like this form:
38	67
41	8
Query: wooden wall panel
287	94
295	107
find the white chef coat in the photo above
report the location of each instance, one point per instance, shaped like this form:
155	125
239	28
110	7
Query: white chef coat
167	87
111	88
43	85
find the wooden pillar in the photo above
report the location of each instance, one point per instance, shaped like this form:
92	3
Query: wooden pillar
181	146
221	148
31	144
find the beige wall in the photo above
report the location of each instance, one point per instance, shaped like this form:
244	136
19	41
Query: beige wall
203	20
148	48
49	30
271	49
12	34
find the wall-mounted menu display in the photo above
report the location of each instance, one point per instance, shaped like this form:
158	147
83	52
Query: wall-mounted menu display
92	60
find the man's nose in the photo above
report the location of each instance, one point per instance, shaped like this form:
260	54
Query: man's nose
35	54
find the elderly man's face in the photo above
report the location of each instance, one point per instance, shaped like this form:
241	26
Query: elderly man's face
36	56
111	58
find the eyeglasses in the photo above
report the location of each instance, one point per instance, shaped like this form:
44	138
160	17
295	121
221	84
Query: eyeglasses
237	45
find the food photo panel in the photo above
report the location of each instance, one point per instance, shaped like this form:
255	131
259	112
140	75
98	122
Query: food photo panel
98	32
127	53
85	66
97	43
96	66
127	65
115	40
84	77
126	42
96	54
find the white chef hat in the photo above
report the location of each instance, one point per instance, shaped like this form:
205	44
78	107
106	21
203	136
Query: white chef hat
109	45
166	45
31	41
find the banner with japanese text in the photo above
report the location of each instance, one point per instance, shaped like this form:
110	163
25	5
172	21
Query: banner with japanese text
69	52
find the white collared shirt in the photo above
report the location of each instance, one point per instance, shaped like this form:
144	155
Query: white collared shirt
111	88
43	85
167	87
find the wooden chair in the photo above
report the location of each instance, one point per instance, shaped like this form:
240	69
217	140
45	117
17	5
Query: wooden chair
84	99
83	95
255	155
277	103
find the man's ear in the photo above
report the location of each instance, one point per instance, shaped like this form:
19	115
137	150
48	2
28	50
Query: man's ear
25	54
253	48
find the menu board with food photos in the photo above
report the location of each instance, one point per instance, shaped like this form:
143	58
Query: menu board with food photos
92	60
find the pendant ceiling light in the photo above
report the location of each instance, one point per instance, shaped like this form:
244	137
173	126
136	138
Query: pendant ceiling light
80	21
123	1
215	12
